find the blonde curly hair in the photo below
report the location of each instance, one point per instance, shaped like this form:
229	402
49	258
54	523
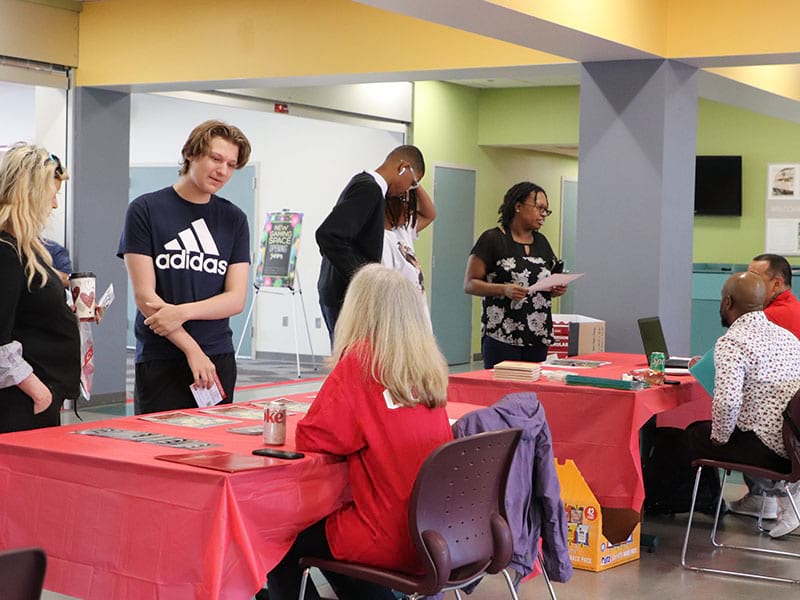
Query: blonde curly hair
28	176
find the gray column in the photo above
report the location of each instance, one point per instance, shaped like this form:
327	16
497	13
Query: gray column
99	172
638	122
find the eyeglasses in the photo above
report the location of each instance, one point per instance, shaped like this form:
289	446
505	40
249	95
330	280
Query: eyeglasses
59	168
545	211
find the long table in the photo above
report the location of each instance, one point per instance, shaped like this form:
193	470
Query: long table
598	428
117	523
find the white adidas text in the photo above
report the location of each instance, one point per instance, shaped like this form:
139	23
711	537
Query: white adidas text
191	262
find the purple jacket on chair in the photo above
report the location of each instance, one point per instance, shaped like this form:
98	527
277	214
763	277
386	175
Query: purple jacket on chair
533	494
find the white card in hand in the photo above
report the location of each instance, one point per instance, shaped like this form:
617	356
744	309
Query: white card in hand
107	298
206	396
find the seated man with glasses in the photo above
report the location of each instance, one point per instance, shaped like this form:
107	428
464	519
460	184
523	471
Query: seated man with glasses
352	234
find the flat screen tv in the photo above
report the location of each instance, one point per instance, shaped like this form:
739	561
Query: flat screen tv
718	185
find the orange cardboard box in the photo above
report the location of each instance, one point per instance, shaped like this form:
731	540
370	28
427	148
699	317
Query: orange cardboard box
588	533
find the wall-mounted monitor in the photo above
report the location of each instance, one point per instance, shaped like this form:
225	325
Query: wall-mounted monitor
718	185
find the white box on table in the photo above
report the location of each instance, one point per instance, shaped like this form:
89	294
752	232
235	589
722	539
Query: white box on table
577	334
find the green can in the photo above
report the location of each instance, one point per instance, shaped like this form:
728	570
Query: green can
657	360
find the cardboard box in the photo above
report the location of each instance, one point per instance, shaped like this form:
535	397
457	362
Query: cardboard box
577	334
599	538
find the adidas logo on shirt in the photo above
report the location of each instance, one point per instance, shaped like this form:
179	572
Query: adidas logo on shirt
193	250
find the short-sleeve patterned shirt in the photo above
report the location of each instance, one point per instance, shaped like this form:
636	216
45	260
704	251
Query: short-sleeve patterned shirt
526	322
757	366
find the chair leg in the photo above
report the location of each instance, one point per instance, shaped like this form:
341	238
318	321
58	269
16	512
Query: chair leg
458	594
510	584
303	583
546	577
714	542
717	544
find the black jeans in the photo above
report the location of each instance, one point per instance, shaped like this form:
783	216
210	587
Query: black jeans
494	352
164	384
16	411
283	582
742	447
330	315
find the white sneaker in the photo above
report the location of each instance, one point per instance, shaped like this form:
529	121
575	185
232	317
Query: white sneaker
787	520
750	504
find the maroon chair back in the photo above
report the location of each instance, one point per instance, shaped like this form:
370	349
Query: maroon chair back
791	435
22	574
457	508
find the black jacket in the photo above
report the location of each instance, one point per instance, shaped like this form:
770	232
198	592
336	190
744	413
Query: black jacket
351	236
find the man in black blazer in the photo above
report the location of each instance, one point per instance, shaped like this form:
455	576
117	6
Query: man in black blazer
352	234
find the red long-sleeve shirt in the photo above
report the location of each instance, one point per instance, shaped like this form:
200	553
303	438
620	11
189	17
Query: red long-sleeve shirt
385	446
784	310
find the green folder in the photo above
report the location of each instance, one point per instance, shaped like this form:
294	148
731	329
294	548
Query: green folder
616	384
703	370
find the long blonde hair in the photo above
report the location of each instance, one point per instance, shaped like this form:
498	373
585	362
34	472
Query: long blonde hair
27	185
383	320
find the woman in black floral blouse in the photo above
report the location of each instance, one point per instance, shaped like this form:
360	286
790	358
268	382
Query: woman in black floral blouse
503	263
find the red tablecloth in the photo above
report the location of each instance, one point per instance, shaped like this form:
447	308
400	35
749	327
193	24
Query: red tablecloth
118	524
597	427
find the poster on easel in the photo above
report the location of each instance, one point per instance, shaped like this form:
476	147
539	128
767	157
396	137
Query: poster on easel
782	212
277	255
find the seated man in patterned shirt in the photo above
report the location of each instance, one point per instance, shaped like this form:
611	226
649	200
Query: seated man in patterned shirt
757	367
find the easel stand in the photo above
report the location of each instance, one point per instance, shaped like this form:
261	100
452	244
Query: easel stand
295	292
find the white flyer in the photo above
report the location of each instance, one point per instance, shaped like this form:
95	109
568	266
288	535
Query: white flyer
206	397
548	283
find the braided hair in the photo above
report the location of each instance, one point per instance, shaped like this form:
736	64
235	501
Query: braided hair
517	193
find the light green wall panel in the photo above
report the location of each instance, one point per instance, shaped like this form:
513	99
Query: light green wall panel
760	140
518	116
446	123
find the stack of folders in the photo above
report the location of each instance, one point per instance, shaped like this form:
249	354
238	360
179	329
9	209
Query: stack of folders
517	370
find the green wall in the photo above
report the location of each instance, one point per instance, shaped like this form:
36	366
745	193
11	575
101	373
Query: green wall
450	127
760	140
475	128
524	116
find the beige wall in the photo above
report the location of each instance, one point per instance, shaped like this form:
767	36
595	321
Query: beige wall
40	32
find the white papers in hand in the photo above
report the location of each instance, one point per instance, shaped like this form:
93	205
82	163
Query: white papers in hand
206	397
548	283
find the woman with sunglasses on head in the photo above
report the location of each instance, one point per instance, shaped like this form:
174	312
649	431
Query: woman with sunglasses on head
404	218
39	340
503	263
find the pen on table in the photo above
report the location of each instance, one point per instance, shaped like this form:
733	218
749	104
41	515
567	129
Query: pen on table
672	382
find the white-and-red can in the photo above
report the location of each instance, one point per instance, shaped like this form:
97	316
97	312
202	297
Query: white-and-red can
275	422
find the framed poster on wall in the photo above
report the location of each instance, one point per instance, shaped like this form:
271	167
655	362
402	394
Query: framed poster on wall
782	182
783	209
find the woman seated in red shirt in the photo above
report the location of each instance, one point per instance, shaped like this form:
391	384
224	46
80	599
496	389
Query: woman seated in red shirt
382	407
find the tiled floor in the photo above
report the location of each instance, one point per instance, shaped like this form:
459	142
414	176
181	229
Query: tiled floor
657	575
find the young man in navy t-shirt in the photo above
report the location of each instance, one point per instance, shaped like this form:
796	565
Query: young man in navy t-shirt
187	252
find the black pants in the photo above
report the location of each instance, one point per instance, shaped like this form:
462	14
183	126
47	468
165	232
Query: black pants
330	315
494	352
164	384
742	447
283	582
16	411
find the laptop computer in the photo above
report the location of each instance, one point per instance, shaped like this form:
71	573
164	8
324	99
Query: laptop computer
653	341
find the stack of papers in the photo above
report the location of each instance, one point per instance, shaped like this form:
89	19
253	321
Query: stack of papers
517	370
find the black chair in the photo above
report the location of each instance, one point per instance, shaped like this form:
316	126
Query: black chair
791	439
22	574
456	519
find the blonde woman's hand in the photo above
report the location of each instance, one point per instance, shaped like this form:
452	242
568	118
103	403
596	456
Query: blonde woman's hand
42	398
